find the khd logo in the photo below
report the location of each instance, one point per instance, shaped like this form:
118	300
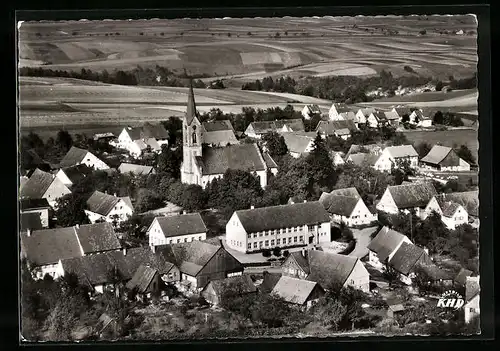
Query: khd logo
451	299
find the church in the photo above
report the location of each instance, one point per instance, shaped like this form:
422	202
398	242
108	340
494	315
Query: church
201	163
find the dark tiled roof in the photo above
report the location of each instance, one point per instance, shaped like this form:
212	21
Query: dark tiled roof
30	220
294	290
352	192
77	173
239	284
101	203
269	160
472	288
339	205
370	148
284	216
98	237
331	127
412	195
313	108
215	126
245	157
142	278
31	204
37	185
182	224
297	143
74	156
363	159
447	207
461	277
302	261
135	169
326	268
437	154
263	127
156	131
341	107
468	199
403	111
406	258
379	116
402	151
48	246
269	281
435	273
220	138
385	242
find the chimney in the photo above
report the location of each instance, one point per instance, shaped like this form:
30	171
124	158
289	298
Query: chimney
28	232
252	207
124	251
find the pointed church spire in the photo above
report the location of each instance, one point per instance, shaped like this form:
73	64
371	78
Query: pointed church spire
191	106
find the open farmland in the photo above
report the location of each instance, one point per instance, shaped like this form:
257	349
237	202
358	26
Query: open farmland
248	49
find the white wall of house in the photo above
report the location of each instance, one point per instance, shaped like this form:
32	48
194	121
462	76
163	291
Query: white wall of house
425	123
63	178
360	215
359	278
387	204
371	121
334	115
55	191
471	309
121	210
236	235
360	116
337	159
44	215
157	236
386	162
433	205
458	218
462	167
93	162
305	112
190	279
53	270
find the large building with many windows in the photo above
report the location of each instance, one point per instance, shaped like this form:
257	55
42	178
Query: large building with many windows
278	226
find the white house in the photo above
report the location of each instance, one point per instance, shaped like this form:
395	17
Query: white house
377	119
472	293
340	128
112	209
335	111
303	293
278	226
73	175
176	229
363	114
443	158
310	110
257	129
393	156
452	213
418	118
406	197
349	210
43	185
77	156
137	139
384	245
298	144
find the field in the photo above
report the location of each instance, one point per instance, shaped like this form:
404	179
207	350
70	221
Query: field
247	49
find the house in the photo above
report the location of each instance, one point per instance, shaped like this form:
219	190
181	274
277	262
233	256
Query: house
377	119
218	133
43	185
418	118
77	156
349	116
362	159
472	294
44	248
112	209
95	270
258	129
406	259
176	229
200	165
394	157
70	176
337	157
104	136
363	114
146	282
270	163
310	110
452	213
219	290
369	149
127	168
340	128
393	118
407	197
443	158
278	226
395	307
336	110
303	293
384	245
327	269
40	207
269	281
469	200
298	144
138	139
349	210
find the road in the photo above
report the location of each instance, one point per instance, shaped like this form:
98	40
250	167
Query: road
363	239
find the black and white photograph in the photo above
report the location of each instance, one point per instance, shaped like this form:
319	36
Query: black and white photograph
248	178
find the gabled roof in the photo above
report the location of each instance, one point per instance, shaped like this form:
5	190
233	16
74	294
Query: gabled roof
340	107
283	216
241	284
37	184
297	143
142	279
391	115
30	220
74	156
367	111
220	137
352	192
412	195
363	159
406	258
447	207
379	116
385	242
348	116
313	108
97	237
461	277
294	290
340	205
219	125
402	110
326	267
181	225
333	127
437	154
76	173
472	288
467	199
370	148
245	157
301	260
135	169
402	151
155	131
101	203
269	160
127	201
32	204
269	281
262	127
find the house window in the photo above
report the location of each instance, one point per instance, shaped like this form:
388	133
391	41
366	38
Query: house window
249	236
185	240
301	238
294	239
310	228
170	241
290	240
199	238
295	229
255	235
266	243
178	241
255	245
260	243
249	246
288	230
272	242
471	310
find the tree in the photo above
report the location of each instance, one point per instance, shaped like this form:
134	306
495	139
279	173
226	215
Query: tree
390	273
405	118
64	141
438	118
266	253
321	170
439	85
147	200
275	144
70	210
271	311
277	251
465	154
423	148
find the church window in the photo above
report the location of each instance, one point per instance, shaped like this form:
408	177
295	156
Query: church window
194	137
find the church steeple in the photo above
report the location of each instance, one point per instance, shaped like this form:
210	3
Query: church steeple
191	105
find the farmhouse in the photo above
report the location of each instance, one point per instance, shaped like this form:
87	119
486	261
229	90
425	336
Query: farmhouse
73	175
43	185
340	128
126	168
384	245
299	292
112	209
176	229
336	110
269	281
138	139
472	293
377	119
406	259
278	226
401	111
393	118
395	157
327	269
298	144
407	197
443	158
270	163
38	207
452	214
200	165
77	156
218	133
310	110
363	114
219	290
146	282
418	118
364	159
44	248
347	209
258	129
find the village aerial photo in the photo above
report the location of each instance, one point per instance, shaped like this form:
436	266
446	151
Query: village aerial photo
235	178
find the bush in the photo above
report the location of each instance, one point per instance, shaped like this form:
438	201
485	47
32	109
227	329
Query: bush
409	69
266	253
277	251
286	253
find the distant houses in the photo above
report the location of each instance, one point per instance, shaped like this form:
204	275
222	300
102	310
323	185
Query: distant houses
258	129
137	140
311	110
340	128
110	208
443	158
377	119
407	197
77	156
176	229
